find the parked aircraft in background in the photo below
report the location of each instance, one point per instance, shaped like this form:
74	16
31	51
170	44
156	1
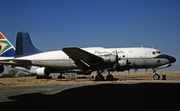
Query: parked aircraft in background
7	52
86	60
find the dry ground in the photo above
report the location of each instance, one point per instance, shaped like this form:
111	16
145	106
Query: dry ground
131	91
171	76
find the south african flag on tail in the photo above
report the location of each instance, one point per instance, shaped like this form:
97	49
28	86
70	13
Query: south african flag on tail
6	48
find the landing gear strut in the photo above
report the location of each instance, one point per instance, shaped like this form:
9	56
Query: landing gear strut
156	76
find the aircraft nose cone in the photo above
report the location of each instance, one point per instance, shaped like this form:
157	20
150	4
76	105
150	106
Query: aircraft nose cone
170	58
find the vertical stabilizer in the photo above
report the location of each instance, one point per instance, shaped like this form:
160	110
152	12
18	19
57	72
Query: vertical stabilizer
6	48
24	45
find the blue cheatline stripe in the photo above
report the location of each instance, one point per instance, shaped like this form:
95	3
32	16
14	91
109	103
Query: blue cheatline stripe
9	53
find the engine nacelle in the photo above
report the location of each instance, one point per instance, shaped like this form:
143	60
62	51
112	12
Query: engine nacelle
109	58
2	68
122	62
40	71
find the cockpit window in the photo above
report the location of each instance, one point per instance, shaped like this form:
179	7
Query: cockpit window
158	52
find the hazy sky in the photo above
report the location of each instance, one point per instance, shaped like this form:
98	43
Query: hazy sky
54	24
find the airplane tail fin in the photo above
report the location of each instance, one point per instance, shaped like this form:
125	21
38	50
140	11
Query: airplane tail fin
24	45
6	48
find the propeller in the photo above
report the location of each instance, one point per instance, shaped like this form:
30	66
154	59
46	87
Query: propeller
117	58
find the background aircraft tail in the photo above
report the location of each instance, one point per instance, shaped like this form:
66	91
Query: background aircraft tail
6	48
24	45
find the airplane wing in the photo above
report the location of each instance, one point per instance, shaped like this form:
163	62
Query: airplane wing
15	62
82	58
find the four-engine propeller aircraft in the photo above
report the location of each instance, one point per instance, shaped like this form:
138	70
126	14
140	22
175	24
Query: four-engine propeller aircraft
86	60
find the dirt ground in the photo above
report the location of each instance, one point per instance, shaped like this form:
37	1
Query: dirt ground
126	77
130	91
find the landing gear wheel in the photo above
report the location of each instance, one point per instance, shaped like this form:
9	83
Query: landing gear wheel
156	76
61	77
99	78
109	77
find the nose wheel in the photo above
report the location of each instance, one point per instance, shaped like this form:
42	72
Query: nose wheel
156	76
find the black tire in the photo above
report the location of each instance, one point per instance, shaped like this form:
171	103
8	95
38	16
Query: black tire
109	77
99	78
61	77
156	76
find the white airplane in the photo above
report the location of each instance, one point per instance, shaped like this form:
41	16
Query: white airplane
86	60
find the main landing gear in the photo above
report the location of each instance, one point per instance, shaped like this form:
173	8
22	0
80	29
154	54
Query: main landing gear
109	76
61	76
156	76
100	77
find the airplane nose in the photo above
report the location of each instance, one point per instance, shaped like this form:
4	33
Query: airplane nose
170	58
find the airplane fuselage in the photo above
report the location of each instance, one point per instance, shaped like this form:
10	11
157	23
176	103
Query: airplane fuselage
129	58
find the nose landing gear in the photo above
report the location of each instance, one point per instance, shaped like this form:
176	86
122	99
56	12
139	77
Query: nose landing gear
156	76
